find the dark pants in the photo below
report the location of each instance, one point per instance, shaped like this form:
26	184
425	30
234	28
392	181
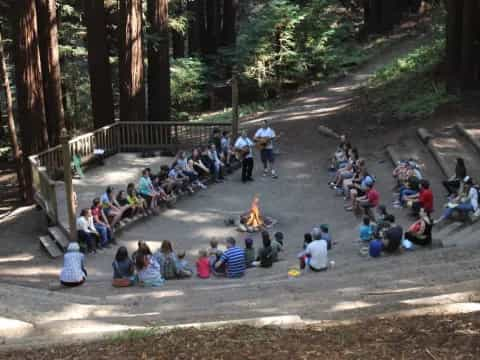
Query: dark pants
452	186
89	239
247	169
418	241
267	157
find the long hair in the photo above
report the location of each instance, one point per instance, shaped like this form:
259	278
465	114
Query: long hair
166	247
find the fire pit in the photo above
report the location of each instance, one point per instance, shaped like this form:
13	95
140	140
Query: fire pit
253	220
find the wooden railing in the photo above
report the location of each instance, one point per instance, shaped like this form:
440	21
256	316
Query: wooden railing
119	137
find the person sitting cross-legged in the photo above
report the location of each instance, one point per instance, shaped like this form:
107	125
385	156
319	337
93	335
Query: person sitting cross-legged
168	260
317	253
123	269
420	232
73	271
392	237
147	191
266	254
148	270
466	202
367	202
234	260
424	199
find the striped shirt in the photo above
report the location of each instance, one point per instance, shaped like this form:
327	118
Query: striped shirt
234	258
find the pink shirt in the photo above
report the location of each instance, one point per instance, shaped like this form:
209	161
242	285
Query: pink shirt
373	197
203	268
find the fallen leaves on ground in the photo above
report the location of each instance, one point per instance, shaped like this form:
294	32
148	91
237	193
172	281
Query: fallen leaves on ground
426	337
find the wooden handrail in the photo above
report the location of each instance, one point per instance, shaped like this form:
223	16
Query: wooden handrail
178	123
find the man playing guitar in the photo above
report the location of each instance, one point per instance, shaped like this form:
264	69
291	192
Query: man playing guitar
264	139
243	149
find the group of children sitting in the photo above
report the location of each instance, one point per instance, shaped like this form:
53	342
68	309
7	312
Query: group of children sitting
96	225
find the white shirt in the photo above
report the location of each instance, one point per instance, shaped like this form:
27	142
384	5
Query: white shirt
473	197
317	250
86	224
266	133
242	142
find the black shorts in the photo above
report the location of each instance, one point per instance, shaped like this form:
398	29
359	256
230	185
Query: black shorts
267	155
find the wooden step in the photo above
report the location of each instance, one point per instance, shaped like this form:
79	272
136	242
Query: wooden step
50	246
59	236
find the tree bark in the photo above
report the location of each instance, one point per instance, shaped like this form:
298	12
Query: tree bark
17	155
193	33
454	41
132	89
200	12
229	31
212	26
467	70
99	64
29	86
50	58
158	62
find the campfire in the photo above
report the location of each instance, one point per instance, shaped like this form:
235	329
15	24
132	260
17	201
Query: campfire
253	220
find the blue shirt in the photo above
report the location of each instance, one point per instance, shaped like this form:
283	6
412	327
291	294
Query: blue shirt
234	258
375	248
366	232
366	181
73	265
145	186
327	238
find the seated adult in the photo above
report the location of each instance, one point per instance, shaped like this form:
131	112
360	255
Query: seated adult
420	232
148	270
392	237
407	191
234	260
406	169
367	202
317	254
453	184
87	232
266	254
346	172
73	272
357	186
465	203
198	165
111	209
217	164
177	175
424	199
101	224
168	260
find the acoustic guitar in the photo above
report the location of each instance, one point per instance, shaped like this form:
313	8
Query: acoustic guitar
262	142
241	153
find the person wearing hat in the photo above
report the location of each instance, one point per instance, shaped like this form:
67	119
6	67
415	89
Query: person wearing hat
73	272
464	203
325	235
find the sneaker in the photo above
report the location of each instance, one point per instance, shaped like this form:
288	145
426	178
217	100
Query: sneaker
250	179
265	173
349	208
274	175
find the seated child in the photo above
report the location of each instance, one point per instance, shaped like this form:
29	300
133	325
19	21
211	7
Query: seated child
148	270
266	253
277	243
184	270
203	265
325	235
302	256
215	254
376	246
123	269
249	252
366	230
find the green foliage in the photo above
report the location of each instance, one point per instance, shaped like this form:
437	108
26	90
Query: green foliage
188	85
408	85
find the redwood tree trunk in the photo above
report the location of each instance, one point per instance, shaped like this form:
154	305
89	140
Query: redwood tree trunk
193	34
469	35
454	40
99	64
29	85
229	22
158	62
178	38
132	90
212	26
49	55
17	155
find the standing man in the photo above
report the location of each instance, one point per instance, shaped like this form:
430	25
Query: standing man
243	149
264	138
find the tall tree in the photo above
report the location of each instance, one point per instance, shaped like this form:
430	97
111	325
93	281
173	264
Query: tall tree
193	33
50	59
99	64
178	37
229	31
469	37
17	155
212	26
158	61
29	85
132	89
454	40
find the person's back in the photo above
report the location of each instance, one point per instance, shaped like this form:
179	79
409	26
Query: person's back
317	251
73	270
266	256
366	231
249	256
123	269
393	237
234	258
375	248
149	273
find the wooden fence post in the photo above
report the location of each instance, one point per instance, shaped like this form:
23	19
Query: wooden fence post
67	177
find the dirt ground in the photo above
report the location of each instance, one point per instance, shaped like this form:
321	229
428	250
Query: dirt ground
428	337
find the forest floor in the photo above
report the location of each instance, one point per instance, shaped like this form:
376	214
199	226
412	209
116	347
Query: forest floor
426	337
440	281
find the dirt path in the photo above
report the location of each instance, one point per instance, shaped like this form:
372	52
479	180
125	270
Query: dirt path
299	199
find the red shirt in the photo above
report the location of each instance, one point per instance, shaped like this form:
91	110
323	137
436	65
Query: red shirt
203	268
96	213
373	197
426	199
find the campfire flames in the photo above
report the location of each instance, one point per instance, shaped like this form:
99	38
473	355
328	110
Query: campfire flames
254	218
